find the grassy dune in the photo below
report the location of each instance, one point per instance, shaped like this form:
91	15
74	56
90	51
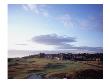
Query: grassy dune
21	68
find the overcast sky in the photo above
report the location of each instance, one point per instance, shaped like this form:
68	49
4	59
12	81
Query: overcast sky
54	27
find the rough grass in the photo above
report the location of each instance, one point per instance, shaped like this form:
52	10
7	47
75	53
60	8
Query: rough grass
21	68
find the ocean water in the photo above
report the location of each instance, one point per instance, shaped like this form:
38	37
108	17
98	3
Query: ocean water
20	53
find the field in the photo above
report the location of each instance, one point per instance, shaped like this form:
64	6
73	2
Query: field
26	68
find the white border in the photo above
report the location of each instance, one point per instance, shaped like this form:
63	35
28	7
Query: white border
55	1
3	40
4	34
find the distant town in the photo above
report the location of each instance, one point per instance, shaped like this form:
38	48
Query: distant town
70	56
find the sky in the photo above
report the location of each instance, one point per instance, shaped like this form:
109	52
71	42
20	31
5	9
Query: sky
55	27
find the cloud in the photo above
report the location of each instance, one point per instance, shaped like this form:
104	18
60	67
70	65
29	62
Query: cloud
66	20
87	23
36	8
82	49
53	39
95	49
63	43
65	46
22	44
92	23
